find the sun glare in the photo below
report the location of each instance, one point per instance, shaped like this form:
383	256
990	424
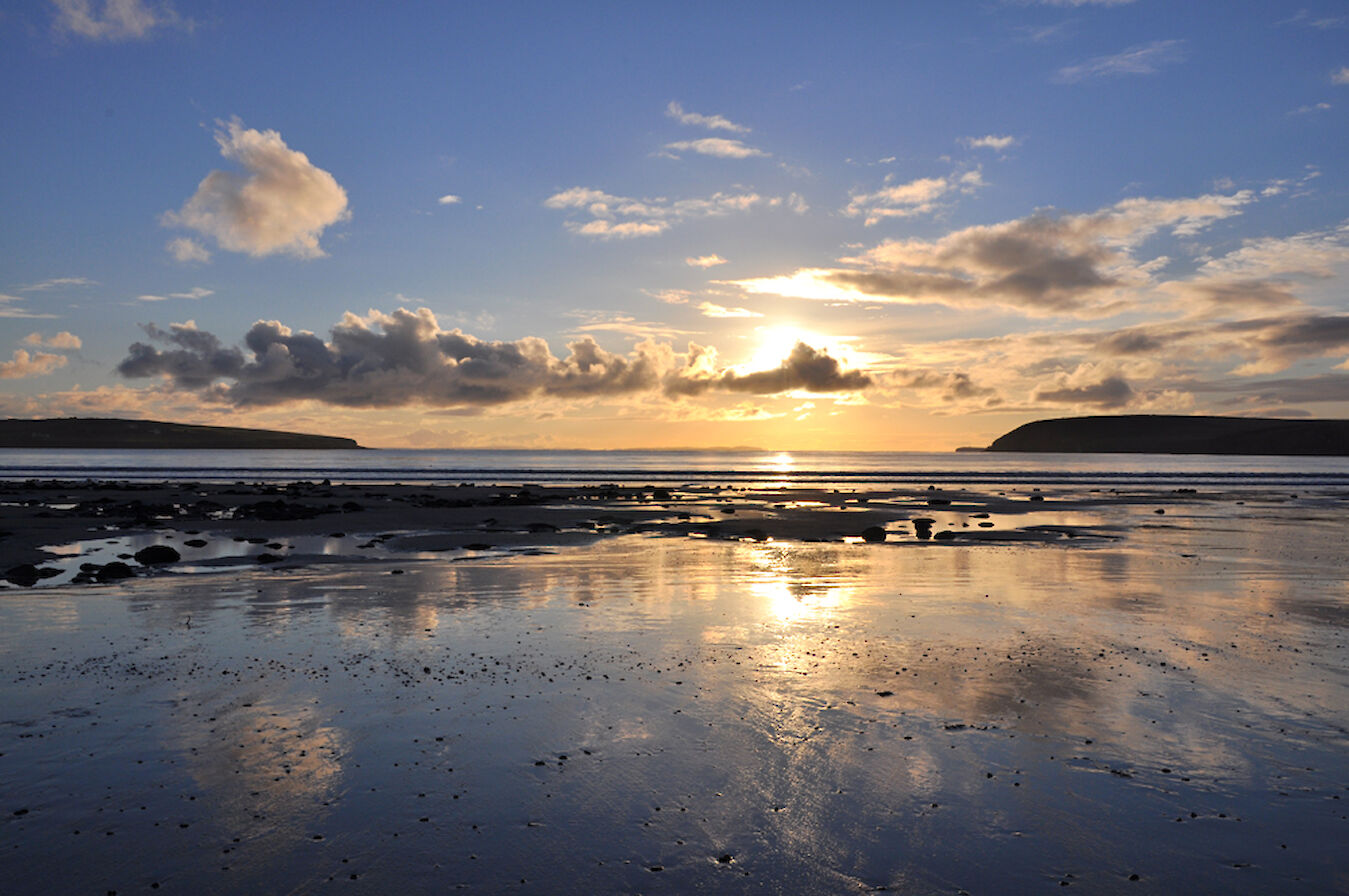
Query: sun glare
775	344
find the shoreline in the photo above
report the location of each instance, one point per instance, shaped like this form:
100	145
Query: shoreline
63	531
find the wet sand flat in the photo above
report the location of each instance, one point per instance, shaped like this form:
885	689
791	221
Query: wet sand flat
1155	704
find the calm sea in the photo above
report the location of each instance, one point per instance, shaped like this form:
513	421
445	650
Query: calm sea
804	468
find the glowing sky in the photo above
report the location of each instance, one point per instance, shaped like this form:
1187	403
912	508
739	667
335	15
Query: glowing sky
902	226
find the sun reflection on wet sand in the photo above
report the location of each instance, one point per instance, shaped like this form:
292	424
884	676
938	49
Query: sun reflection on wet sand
652	713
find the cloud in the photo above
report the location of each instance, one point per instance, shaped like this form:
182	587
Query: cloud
404	358
450	199
917	197
1040	264
1310	109
953	388
12	307
709	309
57	283
188	250
989	142
196	292
806	369
1082	2
116	20
1086	386
711	122
62	340
281	205
622	217
23	365
1340	75
1278	343
721	147
1143	59
704	261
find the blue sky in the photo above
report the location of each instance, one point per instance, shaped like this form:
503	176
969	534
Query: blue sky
883	225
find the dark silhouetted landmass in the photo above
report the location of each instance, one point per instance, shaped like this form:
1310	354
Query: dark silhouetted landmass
77	432
1160	434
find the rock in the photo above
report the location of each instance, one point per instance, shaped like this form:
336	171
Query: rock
27	575
922	527
873	534
157	554
195	542
113	572
269	558
944	535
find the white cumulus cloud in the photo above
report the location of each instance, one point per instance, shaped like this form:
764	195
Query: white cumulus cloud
24	365
704	261
916	197
62	340
281	205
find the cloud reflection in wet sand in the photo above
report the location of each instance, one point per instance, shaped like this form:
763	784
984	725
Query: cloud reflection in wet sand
822	717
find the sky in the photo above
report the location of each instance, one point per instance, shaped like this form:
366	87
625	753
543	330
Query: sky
905	226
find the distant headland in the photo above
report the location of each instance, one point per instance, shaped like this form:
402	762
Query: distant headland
112	433
1163	434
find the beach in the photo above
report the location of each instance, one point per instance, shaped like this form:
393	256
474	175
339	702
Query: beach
665	688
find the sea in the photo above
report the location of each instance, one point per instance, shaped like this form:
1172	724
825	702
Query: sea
739	468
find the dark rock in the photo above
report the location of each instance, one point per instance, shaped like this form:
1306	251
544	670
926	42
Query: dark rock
28	575
157	554
944	535
873	534
114	571
922	527
195	542
269	558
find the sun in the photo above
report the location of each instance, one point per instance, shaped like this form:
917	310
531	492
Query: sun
773	344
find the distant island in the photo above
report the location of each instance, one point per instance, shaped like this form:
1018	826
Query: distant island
1163	434
112	433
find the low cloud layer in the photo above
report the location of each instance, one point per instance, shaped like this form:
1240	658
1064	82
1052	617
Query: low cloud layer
281	204
390	360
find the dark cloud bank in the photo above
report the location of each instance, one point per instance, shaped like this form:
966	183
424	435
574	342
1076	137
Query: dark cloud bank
386	360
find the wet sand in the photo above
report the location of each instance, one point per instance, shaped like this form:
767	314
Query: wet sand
1085	693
